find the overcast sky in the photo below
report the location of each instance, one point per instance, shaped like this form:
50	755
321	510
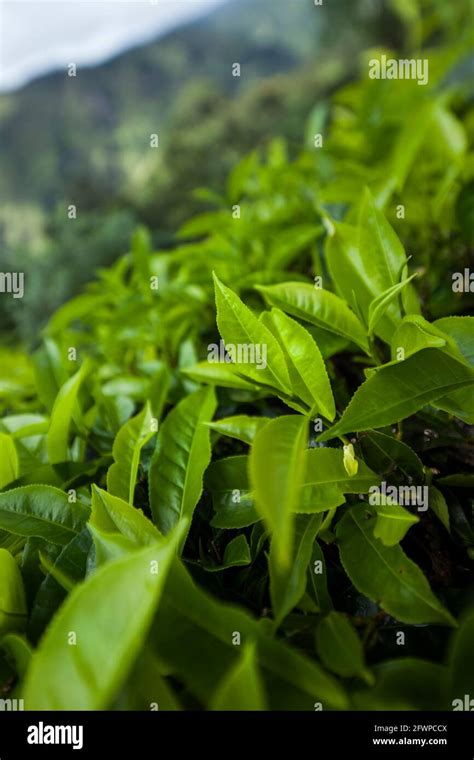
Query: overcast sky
37	36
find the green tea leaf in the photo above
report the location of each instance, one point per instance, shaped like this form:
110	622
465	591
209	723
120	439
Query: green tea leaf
228	481
236	554
326	480
110	514
9	463
461	330
340	648
62	415
76	308
146	688
49	372
385	251
351	270
449	133
183	452
317	306
13	610
385	574
317	575
365	262
195	629
41	511
223	375
286	589
241	688
305	361
277	464
393	522
409	141
398	390
381	303
291	242
72	561
437	503
458	403
159	388
131	438
415	334
461	660
89	672
386	454
238	326
241	427
406	684
18	652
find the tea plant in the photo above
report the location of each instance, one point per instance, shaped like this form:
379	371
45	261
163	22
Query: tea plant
288	528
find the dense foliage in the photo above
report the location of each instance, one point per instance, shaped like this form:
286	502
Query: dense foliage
178	532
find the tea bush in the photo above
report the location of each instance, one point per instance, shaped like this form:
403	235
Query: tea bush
285	524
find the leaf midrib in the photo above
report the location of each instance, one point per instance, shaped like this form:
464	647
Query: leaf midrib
202	413
446	390
302	314
384	253
38	518
265	330
392	572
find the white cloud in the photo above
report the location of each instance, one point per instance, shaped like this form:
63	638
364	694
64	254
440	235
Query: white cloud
38	36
